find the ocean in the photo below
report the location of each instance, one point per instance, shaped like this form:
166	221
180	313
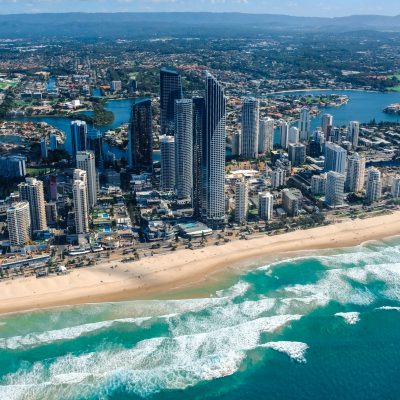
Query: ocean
322	326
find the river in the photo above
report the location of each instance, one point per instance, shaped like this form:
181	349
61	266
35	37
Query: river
363	106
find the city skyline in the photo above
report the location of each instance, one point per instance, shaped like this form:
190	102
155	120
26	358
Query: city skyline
310	8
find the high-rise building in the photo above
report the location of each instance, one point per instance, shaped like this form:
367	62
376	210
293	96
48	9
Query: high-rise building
76	138
116	86
51	213
297	154
170	90
278	178
374	185
44	153
213	154
85	160
265	206
336	135
334	195
19	224
305	124
250	128
32	191
13	166
327	125
335	158
292	200
184	148
53	141
355	173
81	205
237	144
396	187
284	134
140	136
266	135
199	124
318	184
50	188
167	148
353	133
241	200
95	144
294	135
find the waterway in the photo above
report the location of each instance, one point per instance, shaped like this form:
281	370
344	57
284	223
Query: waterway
362	106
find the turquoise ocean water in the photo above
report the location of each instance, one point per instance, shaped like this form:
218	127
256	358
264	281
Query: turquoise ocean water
322	326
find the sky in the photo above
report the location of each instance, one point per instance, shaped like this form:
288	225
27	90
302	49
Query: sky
321	8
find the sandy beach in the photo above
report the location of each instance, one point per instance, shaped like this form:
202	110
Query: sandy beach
154	277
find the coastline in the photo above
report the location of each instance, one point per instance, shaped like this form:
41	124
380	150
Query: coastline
167	274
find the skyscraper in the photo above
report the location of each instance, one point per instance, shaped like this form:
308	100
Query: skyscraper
278	178
19	224
95	144
184	148
334	189
81	205
170	90
237	144
305	124
250	128
241	200
266	135
44	151
140	136
318	184
327	125
32	191
374	185
297	154
293	135
85	160
353	133
199	124
265	206
76	138
167	148
213	154
13	166
335	158
396	187
355	173
284	135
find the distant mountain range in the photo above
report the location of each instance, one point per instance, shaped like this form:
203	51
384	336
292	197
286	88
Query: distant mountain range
130	25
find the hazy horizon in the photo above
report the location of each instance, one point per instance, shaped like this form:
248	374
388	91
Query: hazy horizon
305	8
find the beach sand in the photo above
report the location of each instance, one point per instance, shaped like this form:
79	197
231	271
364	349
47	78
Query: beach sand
155	277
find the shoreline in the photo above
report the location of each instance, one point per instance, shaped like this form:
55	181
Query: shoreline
324	90
172	273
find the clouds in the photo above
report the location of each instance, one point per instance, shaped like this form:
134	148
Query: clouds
291	7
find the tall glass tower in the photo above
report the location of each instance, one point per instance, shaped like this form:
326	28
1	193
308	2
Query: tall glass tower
250	128
140	137
199	124
184	148
213	157
170	90
76	138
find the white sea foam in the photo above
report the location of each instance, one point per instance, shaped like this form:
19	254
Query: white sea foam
220	316
351	318
34	339
237	290
388	308
152	365
295	350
